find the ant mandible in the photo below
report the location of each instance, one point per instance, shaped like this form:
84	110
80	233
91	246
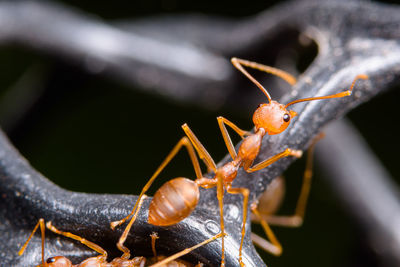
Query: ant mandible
177	198
101	260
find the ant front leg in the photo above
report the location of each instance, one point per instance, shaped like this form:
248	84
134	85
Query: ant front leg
227	139
267	162
183	142
245	193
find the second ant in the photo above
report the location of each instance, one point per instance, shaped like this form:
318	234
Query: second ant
101	260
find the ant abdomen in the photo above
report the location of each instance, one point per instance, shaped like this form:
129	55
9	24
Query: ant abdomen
173	202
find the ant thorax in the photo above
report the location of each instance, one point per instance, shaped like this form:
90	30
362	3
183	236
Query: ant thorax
250	148
273	117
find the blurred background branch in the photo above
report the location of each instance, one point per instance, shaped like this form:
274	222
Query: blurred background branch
363	184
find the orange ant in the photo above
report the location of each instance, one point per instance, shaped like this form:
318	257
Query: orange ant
101	260
177	198
271	118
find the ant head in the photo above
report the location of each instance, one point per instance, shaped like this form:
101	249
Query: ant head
273	117
58	261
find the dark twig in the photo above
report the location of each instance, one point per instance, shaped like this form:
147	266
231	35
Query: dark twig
167	67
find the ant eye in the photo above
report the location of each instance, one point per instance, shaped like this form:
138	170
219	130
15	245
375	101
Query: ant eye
51	260
286	117
259	105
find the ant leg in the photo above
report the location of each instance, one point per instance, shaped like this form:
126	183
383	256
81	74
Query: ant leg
297	218
202	152
183	142
220	197
42	230
265	163
208	183
186	251
245	192
89	244
154	236
227	139
239	63
273	246
124	235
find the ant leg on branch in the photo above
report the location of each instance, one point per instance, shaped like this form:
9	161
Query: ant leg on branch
297	218
245	193
120	245
89	244
186	251
267	216
218	180
42	230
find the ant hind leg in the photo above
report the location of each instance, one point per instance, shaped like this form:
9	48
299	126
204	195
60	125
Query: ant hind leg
245	193
273	246
183	142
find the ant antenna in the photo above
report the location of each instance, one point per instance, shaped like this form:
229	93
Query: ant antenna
238	64
341	94
154	236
